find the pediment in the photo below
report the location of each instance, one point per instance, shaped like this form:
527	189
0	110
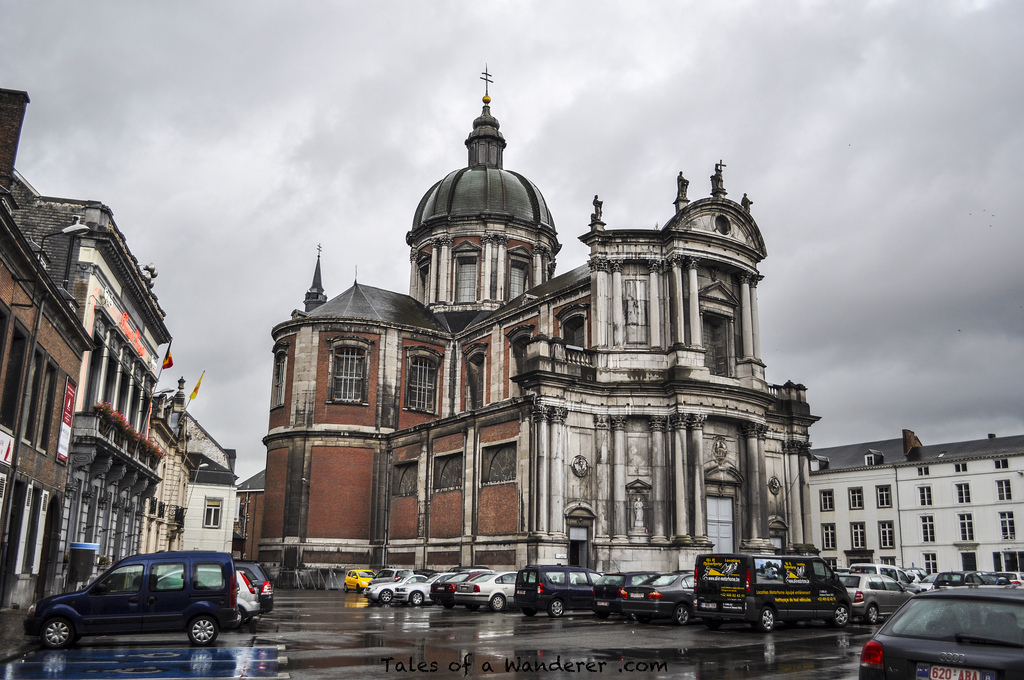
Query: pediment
719	292
638	486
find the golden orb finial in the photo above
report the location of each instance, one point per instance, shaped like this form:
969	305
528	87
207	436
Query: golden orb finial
487	99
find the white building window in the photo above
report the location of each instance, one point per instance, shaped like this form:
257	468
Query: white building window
924	495
931	562
1002	463
1007	526
960	467
966	520
828	501
883	495
856	498
963	492
886	535
922	471
927	529
211	517
1003	490
828	536
858	536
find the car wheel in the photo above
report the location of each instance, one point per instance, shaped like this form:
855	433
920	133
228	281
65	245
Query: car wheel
497	603
765	620
416	598
840	616
601	615
386	596
871	615
681	614
556	608
57	633
448	605
346	587
643	618
529	612
472	607
712	624
246	618
202	630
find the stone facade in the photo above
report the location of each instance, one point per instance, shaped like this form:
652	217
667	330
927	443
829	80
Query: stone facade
615	416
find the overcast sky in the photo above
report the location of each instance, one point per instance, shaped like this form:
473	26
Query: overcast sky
882	144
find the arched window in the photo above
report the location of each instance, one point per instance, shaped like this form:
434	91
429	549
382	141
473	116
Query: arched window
499	464
475	381
405	480
349	374
574	331
280	364
448	472
421	388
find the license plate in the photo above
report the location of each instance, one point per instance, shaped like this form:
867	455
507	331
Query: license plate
708	605
930	672
638	596
520	592
602	603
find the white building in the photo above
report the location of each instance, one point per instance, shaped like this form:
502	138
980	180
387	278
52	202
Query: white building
210	502
939	507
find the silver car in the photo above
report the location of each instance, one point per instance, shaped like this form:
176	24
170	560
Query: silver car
494	589
873	596
416	590
384	591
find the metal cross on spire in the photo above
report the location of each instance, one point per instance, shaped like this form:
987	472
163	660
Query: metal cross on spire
319	249
486	77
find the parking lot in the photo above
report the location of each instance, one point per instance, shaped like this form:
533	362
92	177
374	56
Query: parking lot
330	634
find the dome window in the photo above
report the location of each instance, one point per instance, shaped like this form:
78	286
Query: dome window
722	224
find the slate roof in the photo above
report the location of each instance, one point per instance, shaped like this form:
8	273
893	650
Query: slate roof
379	305
852	455
213	473
255	483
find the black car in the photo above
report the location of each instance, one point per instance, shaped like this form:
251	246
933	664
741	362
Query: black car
975	633
661	597
259	579
442	590
556	589
608	590
968	578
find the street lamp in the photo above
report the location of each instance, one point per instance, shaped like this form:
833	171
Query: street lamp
71	230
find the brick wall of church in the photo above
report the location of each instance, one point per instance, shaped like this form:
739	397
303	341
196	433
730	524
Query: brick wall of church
499	432
404	517
449	443
499	510
340	492
446	514
347	414
273	495
407	453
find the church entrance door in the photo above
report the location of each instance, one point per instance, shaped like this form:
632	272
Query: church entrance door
720	523
578	546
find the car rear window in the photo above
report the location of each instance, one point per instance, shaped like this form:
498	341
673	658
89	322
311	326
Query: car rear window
207	576
527	577
862	569
612	580
850	581
946	618
660	580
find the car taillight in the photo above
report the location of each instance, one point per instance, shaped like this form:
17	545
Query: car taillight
871	656
654	595
476	589
859	597
268	588
748	581
233	597
623	593
540	588
245	580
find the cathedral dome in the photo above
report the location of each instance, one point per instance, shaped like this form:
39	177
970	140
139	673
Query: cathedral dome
484	188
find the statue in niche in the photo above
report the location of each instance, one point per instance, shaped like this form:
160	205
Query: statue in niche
638	512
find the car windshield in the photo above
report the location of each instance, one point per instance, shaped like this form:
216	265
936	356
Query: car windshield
364	574
850	581
960	619
863	569
930	578
611	580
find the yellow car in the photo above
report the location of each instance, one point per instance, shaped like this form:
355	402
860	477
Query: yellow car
357	579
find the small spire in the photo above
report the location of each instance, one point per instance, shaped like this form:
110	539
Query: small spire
315	295
485	143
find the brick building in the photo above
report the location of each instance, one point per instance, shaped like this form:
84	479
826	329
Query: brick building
41	348
249	525
614	416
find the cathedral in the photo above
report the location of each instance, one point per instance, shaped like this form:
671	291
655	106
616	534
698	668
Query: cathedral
615	416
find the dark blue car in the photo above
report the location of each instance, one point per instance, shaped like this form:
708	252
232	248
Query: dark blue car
556	589
194	591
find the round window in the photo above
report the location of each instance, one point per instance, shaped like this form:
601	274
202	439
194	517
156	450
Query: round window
722	224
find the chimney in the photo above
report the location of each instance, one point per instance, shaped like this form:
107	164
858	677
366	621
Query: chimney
12	113
910	441
991	435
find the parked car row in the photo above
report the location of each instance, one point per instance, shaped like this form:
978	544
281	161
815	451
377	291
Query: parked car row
198	592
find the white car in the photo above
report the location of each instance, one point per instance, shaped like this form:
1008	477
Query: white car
384	593
248	598
416	590
493	589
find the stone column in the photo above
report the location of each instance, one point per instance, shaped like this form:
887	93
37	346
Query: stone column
792	490
679	309
599	309
115	398
445	294
601	465
746	316
696	421
620	518
754	485
658	491
501	240
414	277
485	268
540	424
538	266
435	277
617	311
696	334
762	474
755	324
654	304
680	478
556	522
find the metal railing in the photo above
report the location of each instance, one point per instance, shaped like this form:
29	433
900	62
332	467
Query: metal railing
313	578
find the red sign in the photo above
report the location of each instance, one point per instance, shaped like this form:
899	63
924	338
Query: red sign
64	441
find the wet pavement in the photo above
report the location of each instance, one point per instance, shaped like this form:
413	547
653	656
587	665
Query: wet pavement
330	634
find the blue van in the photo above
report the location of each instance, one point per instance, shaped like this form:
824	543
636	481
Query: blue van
555	588
191	591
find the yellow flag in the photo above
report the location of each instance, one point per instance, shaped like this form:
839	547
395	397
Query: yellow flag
196	390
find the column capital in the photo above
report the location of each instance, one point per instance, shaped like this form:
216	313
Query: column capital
675	260
486	238
599	264
797	447
747	277
444	241
601	422
691	262
558	414
616	265
655	265
749	429
618	422
762	431
539	413
755	278
500	239
678	421
413	254
541	249
657	423
696	420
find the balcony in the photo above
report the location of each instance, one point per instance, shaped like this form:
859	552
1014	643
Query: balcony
95	429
